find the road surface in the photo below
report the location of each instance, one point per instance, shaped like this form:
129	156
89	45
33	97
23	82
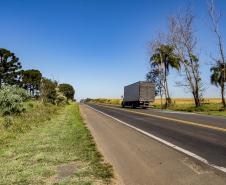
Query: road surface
141	160
209	143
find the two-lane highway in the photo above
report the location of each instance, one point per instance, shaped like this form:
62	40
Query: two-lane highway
202	135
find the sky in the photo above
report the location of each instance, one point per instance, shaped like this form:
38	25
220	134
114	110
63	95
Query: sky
99	46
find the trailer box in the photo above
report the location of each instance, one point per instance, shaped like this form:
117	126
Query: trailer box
139	94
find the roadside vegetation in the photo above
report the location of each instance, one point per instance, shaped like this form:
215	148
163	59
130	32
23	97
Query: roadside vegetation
14	126
208	108
57	150
43	139
104	100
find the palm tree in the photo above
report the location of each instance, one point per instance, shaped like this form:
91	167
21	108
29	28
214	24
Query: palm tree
164	58
218	78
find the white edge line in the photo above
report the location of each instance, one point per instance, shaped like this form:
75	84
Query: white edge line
164	142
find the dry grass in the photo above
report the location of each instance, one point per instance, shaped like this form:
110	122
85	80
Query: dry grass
189	100
158	100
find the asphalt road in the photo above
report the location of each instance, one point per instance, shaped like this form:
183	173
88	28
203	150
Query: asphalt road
138	159
203	135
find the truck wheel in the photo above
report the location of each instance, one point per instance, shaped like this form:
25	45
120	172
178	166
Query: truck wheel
123	105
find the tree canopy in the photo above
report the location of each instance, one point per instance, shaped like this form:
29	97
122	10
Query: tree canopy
164	54
218	75
67	90
161	61
48	90
10	68
31	80
218	78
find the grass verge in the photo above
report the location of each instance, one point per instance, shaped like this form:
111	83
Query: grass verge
36	114
209	109
60	151
106	101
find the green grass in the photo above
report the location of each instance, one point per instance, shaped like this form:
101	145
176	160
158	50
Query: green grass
36	114
107	101
60	143
209	109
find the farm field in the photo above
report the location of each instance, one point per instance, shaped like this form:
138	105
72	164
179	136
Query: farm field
211	106
189	100
158	100
57	148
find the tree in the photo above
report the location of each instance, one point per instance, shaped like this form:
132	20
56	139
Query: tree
218	70
184	41
48	91
218	78
162	60
10	68
31	80
155	76
67	90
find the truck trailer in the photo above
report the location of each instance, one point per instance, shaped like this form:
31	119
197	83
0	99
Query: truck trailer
138	94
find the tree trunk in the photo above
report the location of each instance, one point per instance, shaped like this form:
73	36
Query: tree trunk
196	99
222	96
197	102
160	93
168	99
161	101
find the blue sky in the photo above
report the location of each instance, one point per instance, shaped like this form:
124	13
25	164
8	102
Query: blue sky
98	46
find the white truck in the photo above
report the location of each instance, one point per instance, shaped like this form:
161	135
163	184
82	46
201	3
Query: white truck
138	94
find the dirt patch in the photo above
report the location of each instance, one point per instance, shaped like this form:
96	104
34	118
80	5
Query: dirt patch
66	170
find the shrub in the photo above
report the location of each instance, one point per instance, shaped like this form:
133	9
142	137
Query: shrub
67	90
61	99
48	91
11	99
8	121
